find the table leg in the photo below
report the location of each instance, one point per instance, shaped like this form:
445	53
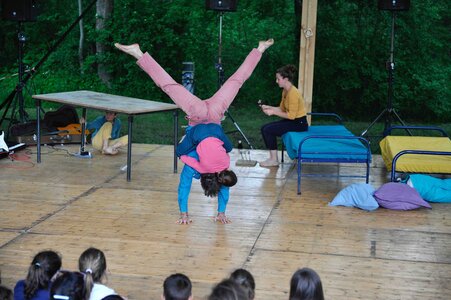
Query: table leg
176	137
83	135
129	148
38	130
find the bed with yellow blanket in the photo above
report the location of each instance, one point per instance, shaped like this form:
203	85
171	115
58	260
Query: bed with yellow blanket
417	154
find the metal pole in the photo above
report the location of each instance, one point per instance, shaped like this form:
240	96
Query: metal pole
391	69
221	80
21	38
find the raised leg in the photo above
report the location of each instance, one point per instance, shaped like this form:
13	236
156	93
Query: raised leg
194	107
222	99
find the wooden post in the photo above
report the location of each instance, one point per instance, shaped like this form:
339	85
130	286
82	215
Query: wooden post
307	51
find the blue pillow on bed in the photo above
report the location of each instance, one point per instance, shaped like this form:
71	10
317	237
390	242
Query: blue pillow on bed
358	195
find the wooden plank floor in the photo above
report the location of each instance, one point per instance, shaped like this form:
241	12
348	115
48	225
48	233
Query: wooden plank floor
68	204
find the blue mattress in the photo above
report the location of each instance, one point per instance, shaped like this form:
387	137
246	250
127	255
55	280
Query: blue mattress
322	142
327	144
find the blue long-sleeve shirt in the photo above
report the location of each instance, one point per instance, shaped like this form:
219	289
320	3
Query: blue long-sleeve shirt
98	123
186	179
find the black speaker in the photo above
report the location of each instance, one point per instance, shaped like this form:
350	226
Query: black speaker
20	10
393	4
221	5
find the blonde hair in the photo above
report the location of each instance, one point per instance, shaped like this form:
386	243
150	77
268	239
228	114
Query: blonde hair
92	263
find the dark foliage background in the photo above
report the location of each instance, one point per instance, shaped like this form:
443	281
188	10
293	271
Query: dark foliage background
352	46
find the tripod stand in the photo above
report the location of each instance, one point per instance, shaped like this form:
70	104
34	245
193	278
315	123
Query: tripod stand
389	112
16	97
220	69
17	93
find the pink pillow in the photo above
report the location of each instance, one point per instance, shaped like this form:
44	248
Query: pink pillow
399	196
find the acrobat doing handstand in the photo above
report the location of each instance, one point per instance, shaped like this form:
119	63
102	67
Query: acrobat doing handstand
200	112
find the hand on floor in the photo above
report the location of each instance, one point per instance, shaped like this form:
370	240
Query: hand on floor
221	217
184	219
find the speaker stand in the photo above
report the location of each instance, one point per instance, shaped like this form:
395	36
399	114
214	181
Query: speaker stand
16	99
220	70
389	112
17	93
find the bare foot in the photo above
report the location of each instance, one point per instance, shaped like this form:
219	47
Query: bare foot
184	219
117	146
263	45
132	49
269	163
110	151
221	217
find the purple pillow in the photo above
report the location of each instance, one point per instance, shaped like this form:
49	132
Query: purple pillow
399	196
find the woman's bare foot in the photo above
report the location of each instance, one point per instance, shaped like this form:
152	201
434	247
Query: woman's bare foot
184	219
221	217
132	49
263	45
110	151
269	163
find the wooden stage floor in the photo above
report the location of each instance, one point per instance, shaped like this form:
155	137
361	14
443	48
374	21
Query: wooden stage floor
68	204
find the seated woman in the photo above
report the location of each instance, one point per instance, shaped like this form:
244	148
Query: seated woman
106	136
291	109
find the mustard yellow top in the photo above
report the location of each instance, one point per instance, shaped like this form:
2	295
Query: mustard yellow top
292	103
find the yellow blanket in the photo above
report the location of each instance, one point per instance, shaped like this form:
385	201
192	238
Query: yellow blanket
417	163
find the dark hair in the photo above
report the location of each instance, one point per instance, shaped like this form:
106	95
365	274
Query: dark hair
177	287
92	263
245	279
228	290
287	71
68	286
44	265
306	285
211	182
5	293
227	178
113	297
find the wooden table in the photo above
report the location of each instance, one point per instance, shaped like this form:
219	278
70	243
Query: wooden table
102	101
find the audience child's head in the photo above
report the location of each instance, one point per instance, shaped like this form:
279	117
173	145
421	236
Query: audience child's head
68	286
228	289
306	285
113	297
92	263
5	293
245	279
41	270
177	287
